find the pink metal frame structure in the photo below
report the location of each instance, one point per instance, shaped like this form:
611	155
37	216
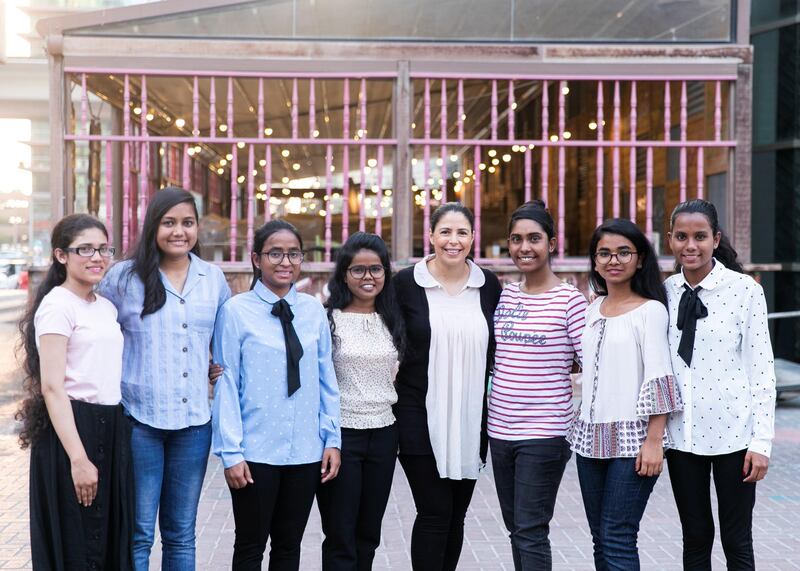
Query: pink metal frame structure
136	139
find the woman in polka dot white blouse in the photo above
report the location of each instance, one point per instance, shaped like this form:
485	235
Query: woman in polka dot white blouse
722	359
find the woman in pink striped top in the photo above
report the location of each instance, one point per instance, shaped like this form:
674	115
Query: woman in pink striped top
538	325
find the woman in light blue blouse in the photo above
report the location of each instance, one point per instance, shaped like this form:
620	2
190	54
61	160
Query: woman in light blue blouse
167	300
276	405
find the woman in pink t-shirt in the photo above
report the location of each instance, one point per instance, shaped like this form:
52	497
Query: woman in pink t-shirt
538	325
81	494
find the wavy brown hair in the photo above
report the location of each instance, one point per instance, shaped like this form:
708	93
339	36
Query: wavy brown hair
32	412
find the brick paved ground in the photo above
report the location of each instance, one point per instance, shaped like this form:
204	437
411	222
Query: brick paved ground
777	537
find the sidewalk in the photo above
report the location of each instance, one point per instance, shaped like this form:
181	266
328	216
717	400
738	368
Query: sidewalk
777	540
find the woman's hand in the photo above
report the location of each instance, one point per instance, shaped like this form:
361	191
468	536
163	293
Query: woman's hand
214	372
650	460
238	476
84	478
331	460
755	466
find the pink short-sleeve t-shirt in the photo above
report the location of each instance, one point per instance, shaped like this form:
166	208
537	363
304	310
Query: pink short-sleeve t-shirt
94	345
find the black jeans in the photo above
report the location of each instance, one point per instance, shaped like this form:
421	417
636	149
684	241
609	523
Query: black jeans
441	508
690	476
275	506
614	498
352	504
527	474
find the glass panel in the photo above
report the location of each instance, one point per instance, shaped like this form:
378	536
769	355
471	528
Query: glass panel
766	11
447	20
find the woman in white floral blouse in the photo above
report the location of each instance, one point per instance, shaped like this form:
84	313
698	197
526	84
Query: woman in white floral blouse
628	390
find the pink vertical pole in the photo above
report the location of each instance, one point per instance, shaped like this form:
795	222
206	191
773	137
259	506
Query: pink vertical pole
426	193
346	161
511	111
186	164
126	164
109	199
615	154
212	109
426	168
363	98
701	177
460	109
143	159
312	108
476	207
260	118
443	129
143	180
528	174
329	202
195	107
649	194
362	205
379	216
362	194
683	143
545	170
632	156
84	105
268	182
230	107
494	110
598	219
295	111
717	112
234	200
251	196
667	111
562	160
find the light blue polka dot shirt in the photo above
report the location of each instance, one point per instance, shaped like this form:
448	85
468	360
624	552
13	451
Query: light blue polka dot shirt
253	418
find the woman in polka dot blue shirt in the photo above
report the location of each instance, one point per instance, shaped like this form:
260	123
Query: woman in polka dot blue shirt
275	417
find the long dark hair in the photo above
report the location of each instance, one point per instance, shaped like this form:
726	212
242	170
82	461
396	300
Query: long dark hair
386	301
724	252
646	281
32	411
146	256
263	234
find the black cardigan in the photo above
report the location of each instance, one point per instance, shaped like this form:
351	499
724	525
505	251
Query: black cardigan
412	377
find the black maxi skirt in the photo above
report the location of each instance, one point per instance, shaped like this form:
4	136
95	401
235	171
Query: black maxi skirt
64	534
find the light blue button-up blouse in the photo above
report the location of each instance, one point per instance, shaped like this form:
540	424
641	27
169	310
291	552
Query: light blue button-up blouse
165	358
253	418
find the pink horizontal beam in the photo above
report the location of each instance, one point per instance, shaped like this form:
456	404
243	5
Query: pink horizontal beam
569	143
591	143
275	75
574	77
246	140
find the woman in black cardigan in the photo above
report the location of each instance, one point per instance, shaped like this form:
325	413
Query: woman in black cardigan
448	303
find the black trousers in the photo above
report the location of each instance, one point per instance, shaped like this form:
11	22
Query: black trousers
441	504
352	505
690	476
275	506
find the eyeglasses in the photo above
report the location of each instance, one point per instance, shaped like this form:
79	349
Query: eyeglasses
359	272
88	251
623	257
276	257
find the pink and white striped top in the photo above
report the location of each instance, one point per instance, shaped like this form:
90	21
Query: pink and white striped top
538	338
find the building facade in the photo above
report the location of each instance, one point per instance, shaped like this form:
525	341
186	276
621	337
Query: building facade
352	115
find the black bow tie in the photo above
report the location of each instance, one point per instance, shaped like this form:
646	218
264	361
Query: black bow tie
294	349
690	310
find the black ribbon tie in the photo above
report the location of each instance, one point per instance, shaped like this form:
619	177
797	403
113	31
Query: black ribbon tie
690	310
294	349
